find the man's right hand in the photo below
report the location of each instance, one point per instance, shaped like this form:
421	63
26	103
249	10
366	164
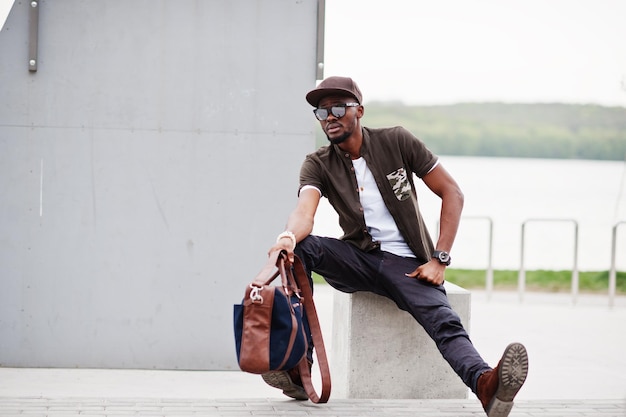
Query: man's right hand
283	244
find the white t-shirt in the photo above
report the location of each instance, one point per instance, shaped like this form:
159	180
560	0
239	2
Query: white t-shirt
380	223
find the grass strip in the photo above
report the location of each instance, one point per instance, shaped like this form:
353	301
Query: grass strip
536	280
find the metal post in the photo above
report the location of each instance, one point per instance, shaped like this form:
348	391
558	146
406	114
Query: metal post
521	280
489	278
489	271
575	284
321	19
33	35
521	277
613	271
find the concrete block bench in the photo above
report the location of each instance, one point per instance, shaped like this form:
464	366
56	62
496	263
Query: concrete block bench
380	351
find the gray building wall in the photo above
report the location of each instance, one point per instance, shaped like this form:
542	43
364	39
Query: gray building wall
145	169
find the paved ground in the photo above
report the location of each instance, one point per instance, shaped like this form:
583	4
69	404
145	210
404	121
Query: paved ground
577	368
273	407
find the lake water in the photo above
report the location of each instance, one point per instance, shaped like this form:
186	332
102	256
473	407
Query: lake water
550	196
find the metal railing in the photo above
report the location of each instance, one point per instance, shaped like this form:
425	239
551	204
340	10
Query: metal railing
521	281
489	278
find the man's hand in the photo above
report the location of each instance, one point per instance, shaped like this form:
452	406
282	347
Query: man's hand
432	272
283	244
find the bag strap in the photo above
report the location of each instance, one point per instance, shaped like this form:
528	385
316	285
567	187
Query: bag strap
301	279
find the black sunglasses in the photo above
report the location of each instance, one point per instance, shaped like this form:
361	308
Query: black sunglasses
338	111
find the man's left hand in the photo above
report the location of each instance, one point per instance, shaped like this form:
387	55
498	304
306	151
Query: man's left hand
432	272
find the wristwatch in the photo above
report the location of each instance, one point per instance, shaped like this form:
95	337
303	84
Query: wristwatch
442	256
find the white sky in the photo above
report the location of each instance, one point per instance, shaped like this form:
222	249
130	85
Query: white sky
430	52
5	7
445	51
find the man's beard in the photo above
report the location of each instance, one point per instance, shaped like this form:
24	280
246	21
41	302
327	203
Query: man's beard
339	139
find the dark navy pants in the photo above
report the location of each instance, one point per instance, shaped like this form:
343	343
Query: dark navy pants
349	269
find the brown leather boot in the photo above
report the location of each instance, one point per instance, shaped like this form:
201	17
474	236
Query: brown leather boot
497	388
288	381
283	380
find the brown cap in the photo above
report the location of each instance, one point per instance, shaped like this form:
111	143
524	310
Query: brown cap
340	86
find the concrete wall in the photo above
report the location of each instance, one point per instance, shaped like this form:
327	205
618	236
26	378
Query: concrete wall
145	168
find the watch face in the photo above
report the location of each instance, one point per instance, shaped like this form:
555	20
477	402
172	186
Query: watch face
443	257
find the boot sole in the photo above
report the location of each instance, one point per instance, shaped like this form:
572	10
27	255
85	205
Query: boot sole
511	376
282	380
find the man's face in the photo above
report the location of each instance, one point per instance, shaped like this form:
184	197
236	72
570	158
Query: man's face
338	129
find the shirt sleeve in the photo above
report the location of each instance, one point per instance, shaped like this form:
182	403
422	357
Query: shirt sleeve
420	158
433	167
310	176
310	187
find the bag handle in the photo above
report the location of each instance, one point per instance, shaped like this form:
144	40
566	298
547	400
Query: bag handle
300	277
277	259
261	278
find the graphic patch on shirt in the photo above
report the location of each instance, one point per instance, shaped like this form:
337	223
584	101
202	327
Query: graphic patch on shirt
400	184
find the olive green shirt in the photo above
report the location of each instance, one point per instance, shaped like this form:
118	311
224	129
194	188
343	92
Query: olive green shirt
393	155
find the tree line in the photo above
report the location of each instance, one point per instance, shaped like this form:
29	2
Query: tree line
564	131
